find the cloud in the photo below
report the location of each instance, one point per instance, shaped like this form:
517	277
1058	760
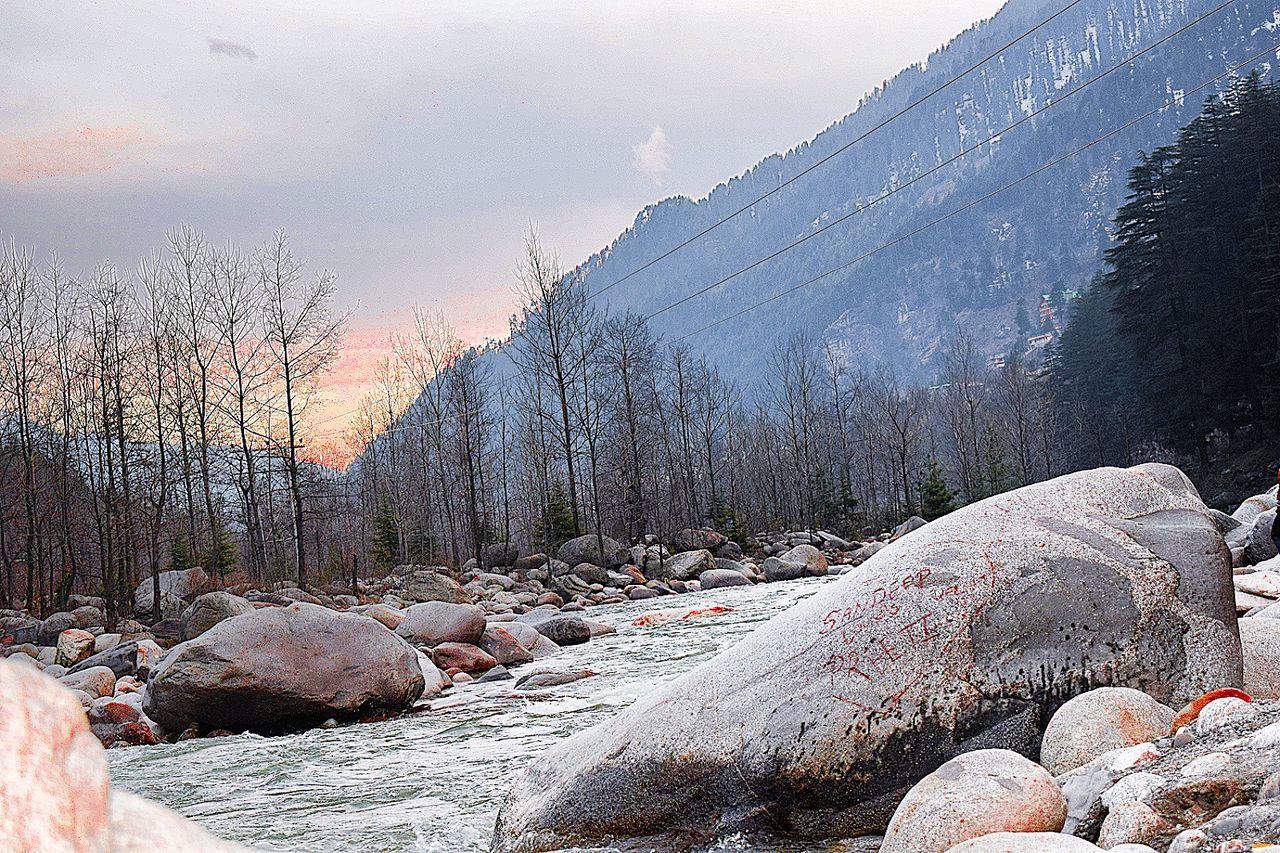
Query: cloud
652	158
232	49
69	153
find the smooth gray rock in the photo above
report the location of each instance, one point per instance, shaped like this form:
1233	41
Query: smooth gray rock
284	668
913	523
210	609
53	626
529	637
684	566
121	659
501	555
435	622
560	628
180	583
543	680
430	585
718	578
604	551
1259	545
964	635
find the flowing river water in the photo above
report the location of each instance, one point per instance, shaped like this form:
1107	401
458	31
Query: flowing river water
433	781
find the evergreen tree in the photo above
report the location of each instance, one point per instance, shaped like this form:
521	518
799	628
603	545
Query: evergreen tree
936	500
1181	328
385	548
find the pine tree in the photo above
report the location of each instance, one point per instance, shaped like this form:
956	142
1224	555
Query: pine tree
385	548
936	500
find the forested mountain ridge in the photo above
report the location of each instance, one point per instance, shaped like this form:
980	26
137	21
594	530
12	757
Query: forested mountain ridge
1049	233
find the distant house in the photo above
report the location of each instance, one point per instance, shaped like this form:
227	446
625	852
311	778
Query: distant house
1040	341
1048	314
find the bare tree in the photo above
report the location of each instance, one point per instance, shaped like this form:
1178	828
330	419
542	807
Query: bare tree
303	337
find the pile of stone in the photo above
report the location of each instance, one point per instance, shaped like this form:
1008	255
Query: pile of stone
841	554
591	570
1256	575
284	658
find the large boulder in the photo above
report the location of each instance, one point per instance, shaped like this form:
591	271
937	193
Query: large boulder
53	626
561	629
503	646
210	609
88	616
183	584
800	561
74	645
53	777
122	659
965	634
1259	544
686	565
430	585
501	555
696	539
599	551
283	668
1261	641
440	622
717	578
530	638
1099	721
462	657
980	792
1252	508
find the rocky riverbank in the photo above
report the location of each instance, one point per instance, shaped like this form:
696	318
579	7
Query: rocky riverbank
1079	632
285	658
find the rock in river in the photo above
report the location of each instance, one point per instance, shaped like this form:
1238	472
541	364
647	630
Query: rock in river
980	792
964	635
441	622
284	668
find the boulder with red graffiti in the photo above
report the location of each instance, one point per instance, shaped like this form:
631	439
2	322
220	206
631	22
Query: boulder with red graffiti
965	635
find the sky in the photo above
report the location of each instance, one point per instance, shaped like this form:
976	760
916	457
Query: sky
410	145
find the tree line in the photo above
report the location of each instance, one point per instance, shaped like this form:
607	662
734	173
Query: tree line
586	422
154	417
1177	341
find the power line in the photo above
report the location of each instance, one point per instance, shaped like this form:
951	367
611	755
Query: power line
839	150
861	208
1048	165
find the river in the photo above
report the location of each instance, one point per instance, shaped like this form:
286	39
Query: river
432	782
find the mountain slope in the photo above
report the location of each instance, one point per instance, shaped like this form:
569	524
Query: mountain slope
897	306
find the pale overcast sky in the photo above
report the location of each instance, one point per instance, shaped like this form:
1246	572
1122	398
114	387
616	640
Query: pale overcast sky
408	145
